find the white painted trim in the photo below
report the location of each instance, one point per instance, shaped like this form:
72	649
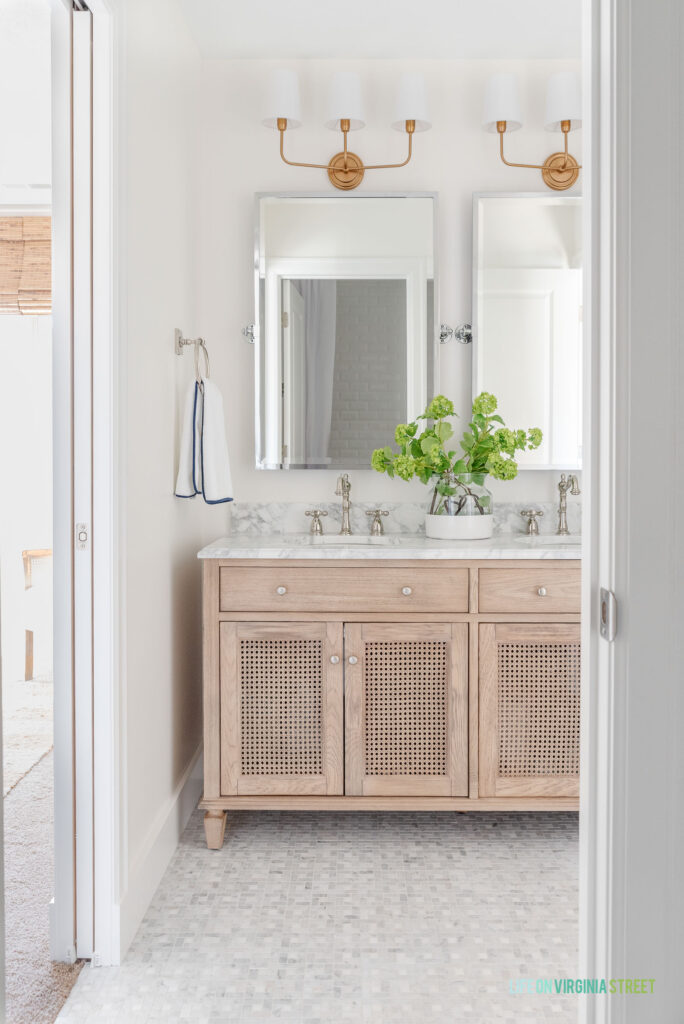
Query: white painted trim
106	650
632	816
62	909
157	848
82	117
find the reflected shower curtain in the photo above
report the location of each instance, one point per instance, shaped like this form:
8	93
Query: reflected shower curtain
320	300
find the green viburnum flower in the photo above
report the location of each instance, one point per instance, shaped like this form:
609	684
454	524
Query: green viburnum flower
404	466
404	433
521	439
501	467
485	404
505	440
379	460
535	437
439	407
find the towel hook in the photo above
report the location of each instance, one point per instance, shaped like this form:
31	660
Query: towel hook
198	343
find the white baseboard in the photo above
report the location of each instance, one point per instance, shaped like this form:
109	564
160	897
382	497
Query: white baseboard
147	870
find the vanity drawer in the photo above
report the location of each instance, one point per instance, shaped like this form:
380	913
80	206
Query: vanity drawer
530	590
270	589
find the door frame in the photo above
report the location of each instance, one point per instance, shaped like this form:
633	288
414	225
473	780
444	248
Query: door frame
86	631
632	765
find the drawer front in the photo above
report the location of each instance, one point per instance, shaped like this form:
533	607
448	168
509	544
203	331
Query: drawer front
334	589
530	590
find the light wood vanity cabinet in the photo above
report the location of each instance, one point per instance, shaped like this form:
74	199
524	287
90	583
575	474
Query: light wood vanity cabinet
446	685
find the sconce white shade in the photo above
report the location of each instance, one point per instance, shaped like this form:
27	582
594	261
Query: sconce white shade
563	101
411	103
502	103
345	101
282	99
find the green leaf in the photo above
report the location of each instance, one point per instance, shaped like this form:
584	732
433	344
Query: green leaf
459	467
497	419
444	430
479	420
429	443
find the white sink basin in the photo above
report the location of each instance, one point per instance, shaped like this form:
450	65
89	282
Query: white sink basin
552	540
329	539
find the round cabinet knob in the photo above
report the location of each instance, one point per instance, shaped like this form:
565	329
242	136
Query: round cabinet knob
334	660
406	591
353	659
542	591
281	590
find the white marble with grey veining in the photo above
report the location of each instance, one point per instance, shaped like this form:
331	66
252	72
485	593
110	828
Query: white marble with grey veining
268	518
410	546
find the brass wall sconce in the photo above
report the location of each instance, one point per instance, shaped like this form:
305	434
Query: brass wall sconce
345	169
563	113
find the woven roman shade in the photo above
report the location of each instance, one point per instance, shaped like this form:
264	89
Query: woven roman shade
25	276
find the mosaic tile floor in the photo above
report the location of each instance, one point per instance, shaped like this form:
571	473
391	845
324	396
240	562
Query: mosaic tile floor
367	918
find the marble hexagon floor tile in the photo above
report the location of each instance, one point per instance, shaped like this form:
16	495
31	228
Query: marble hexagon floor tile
348	917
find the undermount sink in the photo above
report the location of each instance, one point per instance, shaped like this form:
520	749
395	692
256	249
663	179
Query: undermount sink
345	541
552	540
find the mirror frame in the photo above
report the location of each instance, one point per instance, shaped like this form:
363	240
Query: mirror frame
260	463
475	386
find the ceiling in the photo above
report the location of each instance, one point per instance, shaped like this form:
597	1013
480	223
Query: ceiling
390	29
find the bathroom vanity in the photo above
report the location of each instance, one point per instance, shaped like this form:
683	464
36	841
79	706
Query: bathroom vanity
390	675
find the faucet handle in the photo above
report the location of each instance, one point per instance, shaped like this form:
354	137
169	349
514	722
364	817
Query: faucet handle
316	524
532	514
377	529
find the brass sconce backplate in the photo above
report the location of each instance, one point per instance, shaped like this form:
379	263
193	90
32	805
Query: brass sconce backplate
346	170
560	171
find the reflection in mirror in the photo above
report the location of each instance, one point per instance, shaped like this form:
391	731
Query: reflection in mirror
527	328
346	325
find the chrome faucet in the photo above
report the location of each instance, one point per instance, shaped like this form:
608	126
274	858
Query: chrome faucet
342	491
566	485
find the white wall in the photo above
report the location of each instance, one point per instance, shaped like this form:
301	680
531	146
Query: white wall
26	474
238	157
25	78
160	584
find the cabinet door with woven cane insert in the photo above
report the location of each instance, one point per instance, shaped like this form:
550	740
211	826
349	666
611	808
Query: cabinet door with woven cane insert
406	700
529	697
281	708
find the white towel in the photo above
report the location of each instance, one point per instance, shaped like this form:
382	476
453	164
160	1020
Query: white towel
204	466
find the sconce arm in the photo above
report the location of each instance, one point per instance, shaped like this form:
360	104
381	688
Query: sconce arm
295	163
381	167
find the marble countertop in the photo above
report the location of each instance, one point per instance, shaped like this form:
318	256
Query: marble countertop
397	545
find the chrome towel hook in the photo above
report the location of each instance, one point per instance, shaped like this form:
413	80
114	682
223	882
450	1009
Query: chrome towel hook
198	343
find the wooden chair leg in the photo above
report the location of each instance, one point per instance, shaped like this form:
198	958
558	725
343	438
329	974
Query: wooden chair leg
28	656
214	828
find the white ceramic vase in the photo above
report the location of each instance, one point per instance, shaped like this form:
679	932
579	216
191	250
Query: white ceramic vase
459	527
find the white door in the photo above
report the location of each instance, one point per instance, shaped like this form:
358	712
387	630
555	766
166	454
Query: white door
535	366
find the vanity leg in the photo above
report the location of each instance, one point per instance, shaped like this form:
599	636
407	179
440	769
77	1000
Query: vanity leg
214	828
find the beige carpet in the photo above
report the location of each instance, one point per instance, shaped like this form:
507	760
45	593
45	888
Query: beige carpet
36	988
27	727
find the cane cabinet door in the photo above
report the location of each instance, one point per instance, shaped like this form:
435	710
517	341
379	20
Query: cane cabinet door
281	708
406	709
529	698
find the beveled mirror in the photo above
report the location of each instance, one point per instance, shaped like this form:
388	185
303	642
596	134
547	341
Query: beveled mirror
346	324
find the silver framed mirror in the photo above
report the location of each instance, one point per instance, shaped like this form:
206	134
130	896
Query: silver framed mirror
527	317
346	323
